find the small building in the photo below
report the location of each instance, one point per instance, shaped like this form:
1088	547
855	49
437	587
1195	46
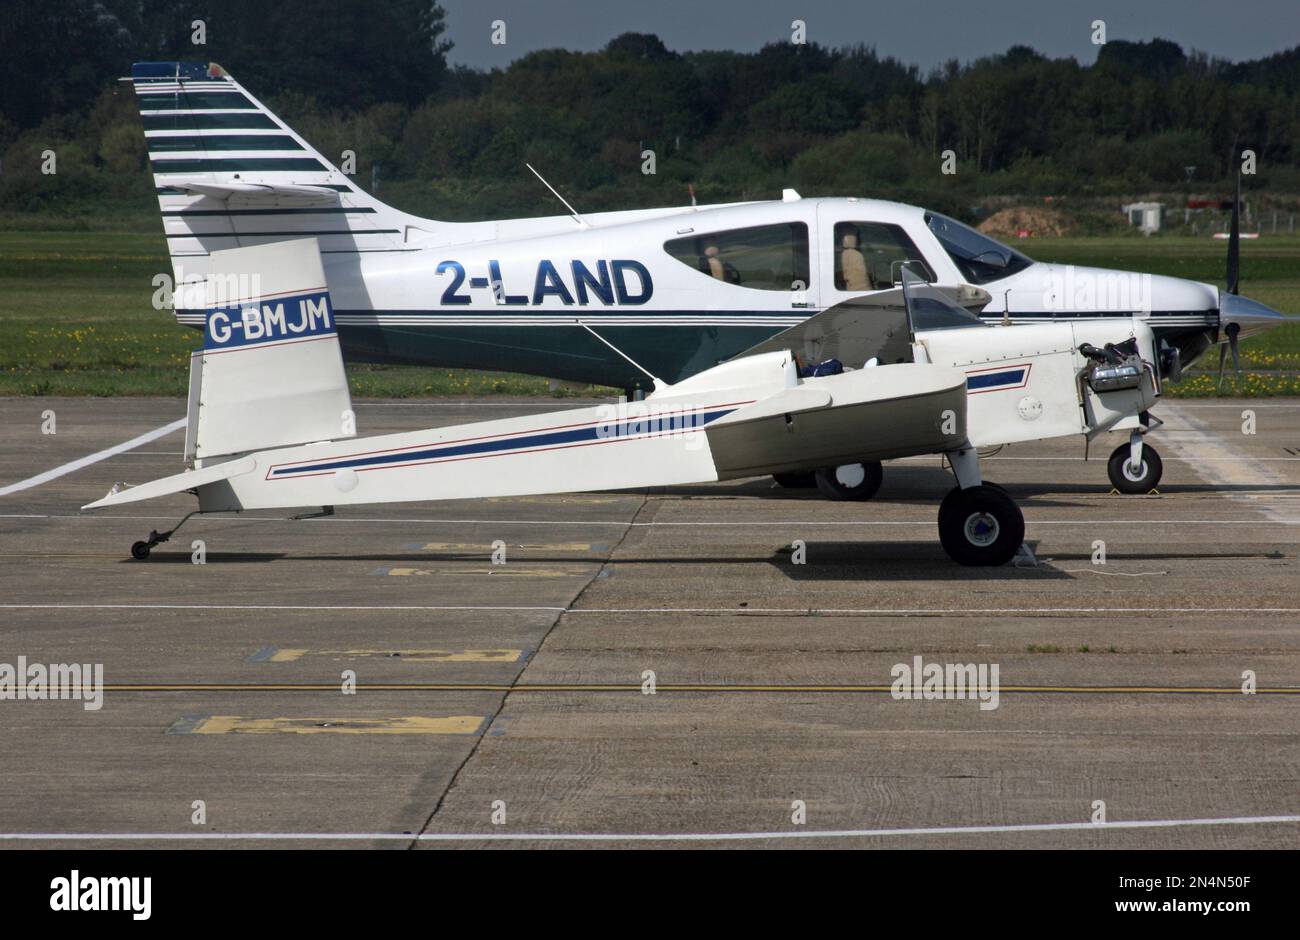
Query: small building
1147	216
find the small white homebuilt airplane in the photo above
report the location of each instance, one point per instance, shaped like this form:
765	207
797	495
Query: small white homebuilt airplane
271	424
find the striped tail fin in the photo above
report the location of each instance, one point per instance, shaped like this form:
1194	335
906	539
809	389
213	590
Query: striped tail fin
231	174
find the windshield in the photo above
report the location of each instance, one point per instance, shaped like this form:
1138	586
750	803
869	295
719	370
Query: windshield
981	259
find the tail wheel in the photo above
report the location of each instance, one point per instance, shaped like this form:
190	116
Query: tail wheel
851	480
140	551
1129	479
980	526
795	481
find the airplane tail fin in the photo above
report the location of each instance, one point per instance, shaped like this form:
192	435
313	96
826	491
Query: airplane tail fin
270	372
229	173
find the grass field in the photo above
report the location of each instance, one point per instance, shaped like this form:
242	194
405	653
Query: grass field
76	317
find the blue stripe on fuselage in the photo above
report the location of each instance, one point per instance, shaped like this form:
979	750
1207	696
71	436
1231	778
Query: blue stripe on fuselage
994	379
658	424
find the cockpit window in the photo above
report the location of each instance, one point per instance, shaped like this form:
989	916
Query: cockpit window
981	259
765	257
870	256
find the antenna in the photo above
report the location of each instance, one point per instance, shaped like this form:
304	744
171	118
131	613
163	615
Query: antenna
572	211
659	383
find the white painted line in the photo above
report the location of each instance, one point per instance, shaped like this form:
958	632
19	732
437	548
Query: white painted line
93	458
258	606
630	836
1113	574
793	611
840	523
1227	466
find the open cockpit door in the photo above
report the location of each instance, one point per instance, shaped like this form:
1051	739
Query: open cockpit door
855	331
880	326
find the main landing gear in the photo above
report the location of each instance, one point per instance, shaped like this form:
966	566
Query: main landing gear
847	481
850	480
1134	467
979	524
140	550
798	480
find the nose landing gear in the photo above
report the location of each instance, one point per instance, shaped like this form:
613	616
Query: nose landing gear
1134	467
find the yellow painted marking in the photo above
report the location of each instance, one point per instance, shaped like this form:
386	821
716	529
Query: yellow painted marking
496	571
416	724
412	656
486	549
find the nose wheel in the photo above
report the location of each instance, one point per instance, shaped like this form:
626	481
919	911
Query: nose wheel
851	480
980	526
1129	477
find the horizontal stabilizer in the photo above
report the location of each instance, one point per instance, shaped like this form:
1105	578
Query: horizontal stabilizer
177	483
253	193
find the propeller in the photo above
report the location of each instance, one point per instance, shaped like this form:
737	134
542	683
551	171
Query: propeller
1234	240
1231	330
1234	280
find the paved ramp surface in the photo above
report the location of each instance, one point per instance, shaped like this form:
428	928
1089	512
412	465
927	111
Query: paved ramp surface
504	705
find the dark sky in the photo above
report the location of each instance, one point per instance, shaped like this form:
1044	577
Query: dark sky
924	32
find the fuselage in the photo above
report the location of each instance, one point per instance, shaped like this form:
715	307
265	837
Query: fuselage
680	290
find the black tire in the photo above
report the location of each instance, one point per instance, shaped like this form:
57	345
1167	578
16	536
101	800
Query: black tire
980	526
1125	480
140	551
795	481
851	481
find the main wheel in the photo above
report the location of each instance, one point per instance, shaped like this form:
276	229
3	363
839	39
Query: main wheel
851	480
140	551
795	481
1129	479
980	526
